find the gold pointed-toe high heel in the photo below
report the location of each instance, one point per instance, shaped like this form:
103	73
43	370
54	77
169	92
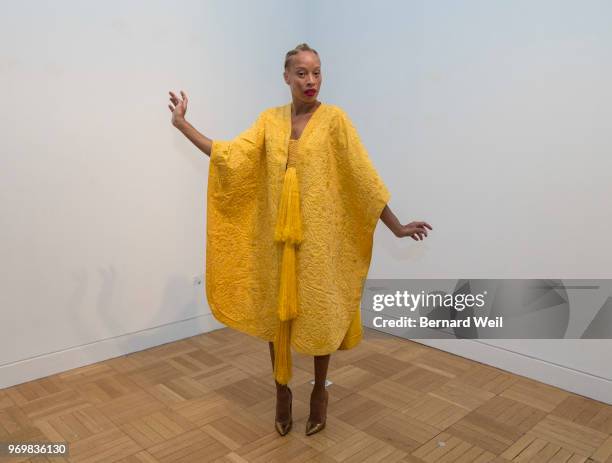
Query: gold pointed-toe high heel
312	427
284	427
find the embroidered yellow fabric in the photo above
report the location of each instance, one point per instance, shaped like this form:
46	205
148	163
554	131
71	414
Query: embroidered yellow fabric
290	225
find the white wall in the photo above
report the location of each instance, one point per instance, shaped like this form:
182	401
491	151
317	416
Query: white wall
493	122
103	201
490	120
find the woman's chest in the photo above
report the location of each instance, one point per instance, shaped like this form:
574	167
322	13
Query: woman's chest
298	124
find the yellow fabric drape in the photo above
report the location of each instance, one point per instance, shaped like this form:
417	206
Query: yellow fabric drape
289	232
289	238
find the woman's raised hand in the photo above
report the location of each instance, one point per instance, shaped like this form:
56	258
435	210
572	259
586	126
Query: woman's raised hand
415	230
180	107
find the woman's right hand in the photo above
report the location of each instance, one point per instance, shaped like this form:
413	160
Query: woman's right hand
179	109
415	230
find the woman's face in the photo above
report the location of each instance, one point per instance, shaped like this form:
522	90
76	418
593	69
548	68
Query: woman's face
303	76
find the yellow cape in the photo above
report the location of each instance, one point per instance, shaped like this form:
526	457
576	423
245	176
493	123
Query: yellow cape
341	197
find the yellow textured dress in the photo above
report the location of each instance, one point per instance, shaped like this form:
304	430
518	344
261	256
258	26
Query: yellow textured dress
289	232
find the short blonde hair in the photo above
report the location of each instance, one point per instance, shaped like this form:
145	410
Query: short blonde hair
296	50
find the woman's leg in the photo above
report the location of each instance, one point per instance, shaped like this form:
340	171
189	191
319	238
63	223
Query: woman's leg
282	393
318	409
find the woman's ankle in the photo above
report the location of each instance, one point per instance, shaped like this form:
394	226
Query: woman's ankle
318	388
282	388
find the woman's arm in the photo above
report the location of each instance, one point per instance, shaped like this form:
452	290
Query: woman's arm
178	120
202	142
416	230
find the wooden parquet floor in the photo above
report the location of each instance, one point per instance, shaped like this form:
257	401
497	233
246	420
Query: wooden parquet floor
211	398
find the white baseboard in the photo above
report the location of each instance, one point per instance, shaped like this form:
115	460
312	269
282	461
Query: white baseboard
56	362
51	363
579	382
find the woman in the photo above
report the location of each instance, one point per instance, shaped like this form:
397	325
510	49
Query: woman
292	206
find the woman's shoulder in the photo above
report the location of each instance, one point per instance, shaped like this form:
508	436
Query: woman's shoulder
275	112
335	109
337	114
338	117
282	110
334	117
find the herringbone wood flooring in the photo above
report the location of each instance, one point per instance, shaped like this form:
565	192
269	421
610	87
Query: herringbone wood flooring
210	398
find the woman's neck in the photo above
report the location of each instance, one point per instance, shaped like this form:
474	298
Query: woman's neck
299	108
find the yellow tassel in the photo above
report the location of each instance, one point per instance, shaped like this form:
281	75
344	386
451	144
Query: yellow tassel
289	223
288	230
282	355
287	293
